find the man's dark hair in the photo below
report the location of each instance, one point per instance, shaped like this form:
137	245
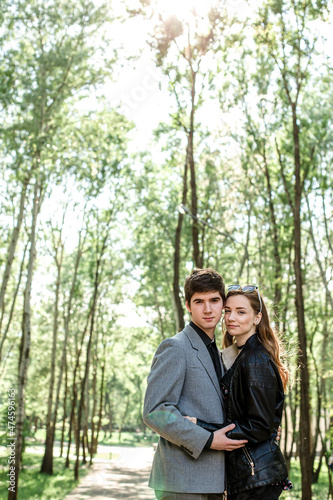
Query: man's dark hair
203	280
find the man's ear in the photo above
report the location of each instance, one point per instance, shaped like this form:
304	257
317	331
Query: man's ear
187	306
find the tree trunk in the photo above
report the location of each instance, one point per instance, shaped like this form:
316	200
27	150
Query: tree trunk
321	269
178	306
64	412
330	482
324	403
318	409
285	428
94	389
245	258
94	448
305	428
25	344
124	415
86	373
74	392
4	336
197	255
47	464
92	324
63	363
275	240
71	425
316	472
12	248
327	233
159	314
84	442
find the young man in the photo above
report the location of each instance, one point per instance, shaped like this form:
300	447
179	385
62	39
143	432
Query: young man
185	380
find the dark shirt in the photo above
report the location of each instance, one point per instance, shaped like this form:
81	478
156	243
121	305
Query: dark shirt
211	348
215	356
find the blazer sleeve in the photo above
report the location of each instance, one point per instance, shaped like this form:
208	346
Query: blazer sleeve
164	389
257	388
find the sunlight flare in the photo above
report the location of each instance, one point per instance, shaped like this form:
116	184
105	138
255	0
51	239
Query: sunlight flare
183	8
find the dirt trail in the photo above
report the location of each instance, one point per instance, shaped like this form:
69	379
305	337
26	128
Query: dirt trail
124	476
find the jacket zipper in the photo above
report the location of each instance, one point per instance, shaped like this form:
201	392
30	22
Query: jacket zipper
249	459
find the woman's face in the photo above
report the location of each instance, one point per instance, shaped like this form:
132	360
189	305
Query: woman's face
240	318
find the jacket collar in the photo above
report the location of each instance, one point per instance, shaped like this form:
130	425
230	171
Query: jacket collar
203	356
251	342
229	354
194	338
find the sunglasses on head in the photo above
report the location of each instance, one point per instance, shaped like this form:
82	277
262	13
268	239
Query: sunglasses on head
246	288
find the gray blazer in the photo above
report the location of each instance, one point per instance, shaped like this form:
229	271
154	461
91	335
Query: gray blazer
183	381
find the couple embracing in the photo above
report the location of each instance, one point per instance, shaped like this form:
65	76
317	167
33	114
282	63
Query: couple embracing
203	404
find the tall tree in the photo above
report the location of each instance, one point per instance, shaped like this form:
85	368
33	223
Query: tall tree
284	30
58	249
25	342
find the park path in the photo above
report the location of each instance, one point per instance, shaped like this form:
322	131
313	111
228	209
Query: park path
123	476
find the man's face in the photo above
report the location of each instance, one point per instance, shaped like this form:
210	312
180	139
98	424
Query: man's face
206	310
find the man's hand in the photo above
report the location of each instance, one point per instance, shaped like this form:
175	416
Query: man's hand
222	442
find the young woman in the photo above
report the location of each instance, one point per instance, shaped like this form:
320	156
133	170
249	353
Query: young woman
253	389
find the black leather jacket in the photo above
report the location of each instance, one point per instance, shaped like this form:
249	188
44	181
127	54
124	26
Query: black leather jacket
254	402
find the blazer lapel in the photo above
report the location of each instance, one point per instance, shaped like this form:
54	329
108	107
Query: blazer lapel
204	357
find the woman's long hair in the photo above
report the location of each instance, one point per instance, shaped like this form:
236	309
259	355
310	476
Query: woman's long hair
265	333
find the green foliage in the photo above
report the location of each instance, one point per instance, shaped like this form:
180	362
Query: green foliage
319	490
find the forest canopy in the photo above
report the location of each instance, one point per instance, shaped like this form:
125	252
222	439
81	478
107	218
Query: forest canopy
140	140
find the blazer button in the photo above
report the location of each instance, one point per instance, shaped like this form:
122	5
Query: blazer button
186	449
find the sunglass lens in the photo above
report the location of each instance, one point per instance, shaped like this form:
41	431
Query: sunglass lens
249	288
234	287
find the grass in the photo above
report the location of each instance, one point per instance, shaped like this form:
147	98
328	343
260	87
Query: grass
35	486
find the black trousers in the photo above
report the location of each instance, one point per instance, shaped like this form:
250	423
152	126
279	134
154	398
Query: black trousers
170	495
262	493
